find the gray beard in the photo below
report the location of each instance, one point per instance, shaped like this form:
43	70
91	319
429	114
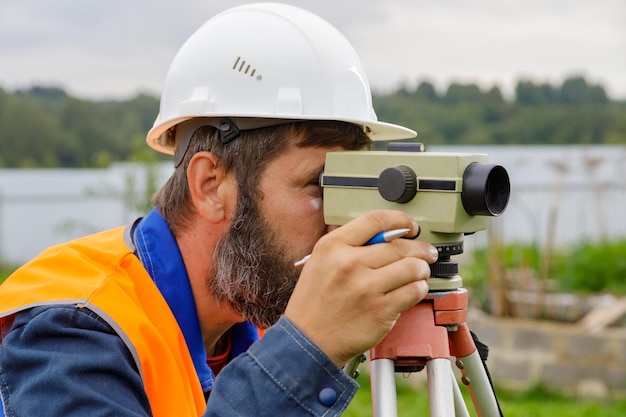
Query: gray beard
252	273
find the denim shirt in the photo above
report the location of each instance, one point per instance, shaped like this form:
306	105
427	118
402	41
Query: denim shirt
61	360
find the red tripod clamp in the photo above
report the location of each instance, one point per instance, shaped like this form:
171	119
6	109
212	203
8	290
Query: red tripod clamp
434	328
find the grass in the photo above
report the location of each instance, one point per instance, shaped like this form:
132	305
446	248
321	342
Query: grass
537	401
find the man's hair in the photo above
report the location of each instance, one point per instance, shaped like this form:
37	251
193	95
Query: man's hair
247	156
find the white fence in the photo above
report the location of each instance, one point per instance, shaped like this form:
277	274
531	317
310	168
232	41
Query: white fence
560	193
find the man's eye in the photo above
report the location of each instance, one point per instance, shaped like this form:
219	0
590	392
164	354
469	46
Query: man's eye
318	180
316	183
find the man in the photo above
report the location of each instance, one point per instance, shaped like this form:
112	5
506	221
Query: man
138	320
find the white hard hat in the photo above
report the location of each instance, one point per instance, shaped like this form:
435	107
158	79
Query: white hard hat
262	64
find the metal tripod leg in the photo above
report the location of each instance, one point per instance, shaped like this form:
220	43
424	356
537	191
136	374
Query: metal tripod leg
474	374
479	386
445	396
460	408
440	390
383	383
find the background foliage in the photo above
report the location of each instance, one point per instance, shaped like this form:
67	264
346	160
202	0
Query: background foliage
574	113
45	127
583	268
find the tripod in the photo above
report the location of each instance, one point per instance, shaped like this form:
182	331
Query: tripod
427	336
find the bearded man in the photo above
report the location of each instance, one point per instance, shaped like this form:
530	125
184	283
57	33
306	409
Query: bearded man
162	317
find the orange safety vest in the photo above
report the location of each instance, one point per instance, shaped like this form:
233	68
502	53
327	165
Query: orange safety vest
99	272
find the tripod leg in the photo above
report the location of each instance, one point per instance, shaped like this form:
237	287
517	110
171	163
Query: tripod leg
479	386
440	389
475	375
383	383
459	403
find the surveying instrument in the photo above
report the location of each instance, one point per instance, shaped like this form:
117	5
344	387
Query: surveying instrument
449	195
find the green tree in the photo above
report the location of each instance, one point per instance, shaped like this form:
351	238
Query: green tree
45	127
426	92
576	91
462	93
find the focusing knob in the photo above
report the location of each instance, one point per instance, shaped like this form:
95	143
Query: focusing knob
444	269
397	184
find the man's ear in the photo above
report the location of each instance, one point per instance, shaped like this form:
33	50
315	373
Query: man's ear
213	192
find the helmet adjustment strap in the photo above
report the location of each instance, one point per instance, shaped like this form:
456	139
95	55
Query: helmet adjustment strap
228	131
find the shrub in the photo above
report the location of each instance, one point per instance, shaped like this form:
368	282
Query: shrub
585	268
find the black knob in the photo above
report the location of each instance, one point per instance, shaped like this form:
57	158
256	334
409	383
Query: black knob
397	184
444	269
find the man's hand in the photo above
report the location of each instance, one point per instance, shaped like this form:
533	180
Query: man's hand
349	296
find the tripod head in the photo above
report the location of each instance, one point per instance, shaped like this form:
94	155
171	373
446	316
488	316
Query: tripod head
449	194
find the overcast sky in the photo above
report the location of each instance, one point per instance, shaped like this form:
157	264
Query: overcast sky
115	48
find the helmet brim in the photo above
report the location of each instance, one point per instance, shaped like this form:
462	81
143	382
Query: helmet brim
375	130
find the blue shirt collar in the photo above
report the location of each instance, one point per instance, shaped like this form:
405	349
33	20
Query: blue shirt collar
159	253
